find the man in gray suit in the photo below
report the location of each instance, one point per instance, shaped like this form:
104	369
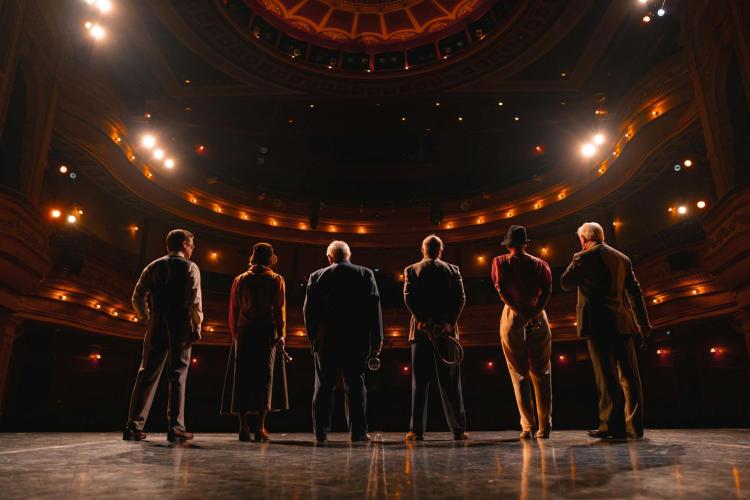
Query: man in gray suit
344	324
434	295
609	296
167	298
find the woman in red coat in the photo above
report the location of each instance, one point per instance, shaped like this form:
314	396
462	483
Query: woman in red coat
257	320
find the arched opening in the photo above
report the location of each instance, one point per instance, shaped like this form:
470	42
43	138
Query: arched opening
11	145
739	113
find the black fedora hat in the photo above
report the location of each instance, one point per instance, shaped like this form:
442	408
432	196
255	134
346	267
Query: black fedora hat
516	237
263	255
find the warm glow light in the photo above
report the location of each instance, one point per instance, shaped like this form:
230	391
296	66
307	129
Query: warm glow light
537	205
134	228
500	103
214	255
169	163
211	329
302	225
545	250
460	118
682	210
659	352
63	169
63	297
405	368
688	163
72	219
562	357
701	204
88	25
200	149
115	313
655	300
695	292
480	220
148	141
646	18
509	213
218	209
194	361
193	199
490	364
245	217
95	356
538	149
715	350
517	118
361	230
599	139
449	225
134	319
332	229
274	222
97	306
104	5
480	259
55	213
97	32
588	150
158	154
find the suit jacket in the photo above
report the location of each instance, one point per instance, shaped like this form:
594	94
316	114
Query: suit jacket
342	309
433	291
608	292
168	295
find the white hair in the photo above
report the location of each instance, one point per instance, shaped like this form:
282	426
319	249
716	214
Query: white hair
338	250
591	231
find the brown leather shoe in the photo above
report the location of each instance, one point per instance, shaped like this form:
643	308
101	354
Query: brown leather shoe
413	436
178	436
261	436
133	435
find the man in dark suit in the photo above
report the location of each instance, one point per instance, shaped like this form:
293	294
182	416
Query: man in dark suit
609	296
167	298
434	295
344	324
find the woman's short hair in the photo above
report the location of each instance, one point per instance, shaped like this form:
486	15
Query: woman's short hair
176	237
338	250
432	246
591	231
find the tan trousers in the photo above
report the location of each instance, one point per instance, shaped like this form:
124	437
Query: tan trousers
528	357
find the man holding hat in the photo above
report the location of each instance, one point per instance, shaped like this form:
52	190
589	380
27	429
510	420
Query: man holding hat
257	320
524	283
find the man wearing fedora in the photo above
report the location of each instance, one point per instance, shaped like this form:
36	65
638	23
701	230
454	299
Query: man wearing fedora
610	313
345	326
524	283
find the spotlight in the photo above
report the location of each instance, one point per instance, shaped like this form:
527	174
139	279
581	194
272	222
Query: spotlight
95	30
104	6
55	213
148	141
646	18
63	169
682	210
194	361
588	150
701	204
661	12
480	259
72	219
158	154
688	163
200	149
642	1
599	139
490	364
169	163
405	369
517	118
500	103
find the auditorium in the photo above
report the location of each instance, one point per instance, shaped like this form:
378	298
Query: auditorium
375	249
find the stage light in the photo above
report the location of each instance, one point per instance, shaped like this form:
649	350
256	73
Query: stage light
481	259
490	364
480	220
218	210
401	277
63	169
646	18
517	118
115	313
274	222
134	319
500	103
660	352
688	163
655	300
616	223
158	154
405	369
169	163
695	291
97	306
211	329
95	356
312	106
55	213
588	150
302	225
95	30
701	204
147	115
682	210
538	149
437	104
332	228
599	139
361	230
643	1
188	82
194	360
134	228
561	196
72	219
245	217
63	297
200	149
716	350
460	118
661	12
677	167
509	214
537	206
403	118
562	357
545	250
148	141
449	225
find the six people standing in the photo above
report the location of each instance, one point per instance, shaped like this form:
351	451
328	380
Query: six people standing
343	320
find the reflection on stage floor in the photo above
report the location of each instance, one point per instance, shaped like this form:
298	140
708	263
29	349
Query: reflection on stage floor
684	463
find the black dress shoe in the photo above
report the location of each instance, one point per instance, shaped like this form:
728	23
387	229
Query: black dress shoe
178	436
133	435
606	435
360	438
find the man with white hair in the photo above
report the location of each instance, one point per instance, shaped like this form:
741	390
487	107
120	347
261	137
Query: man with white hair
609	296
344	324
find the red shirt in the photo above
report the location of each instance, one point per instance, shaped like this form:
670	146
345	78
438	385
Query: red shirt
522	278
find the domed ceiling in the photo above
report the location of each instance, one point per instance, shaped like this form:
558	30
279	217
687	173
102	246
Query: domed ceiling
372	22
